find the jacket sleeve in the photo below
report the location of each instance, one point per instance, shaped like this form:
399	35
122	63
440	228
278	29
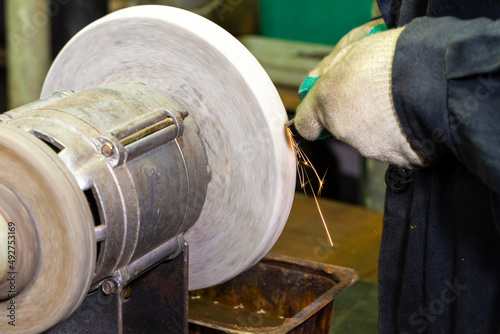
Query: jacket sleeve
446	92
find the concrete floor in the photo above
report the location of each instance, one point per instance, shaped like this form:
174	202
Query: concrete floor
356	234
356	310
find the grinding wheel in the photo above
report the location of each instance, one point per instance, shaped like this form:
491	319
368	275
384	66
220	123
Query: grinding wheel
54	240
198	64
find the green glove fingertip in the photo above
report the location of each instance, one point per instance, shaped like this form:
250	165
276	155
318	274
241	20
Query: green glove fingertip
306	86
324	134
376	29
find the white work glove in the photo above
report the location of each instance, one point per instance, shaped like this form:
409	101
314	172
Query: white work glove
352	99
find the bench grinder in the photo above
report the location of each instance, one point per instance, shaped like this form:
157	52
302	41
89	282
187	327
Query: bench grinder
156	131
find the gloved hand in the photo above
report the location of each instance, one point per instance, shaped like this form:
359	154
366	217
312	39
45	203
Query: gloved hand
353	100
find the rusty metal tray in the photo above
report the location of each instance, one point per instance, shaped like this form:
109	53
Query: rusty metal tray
280	294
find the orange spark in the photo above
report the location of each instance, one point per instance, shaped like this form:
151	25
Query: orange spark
303	162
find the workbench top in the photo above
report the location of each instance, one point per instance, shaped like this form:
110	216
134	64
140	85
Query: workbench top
356	234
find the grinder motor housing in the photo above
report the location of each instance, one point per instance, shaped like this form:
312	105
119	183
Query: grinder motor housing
138	159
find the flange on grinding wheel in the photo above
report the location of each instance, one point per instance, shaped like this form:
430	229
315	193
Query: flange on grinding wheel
241	116
54	239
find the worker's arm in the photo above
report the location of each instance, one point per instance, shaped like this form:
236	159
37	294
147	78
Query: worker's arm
446	91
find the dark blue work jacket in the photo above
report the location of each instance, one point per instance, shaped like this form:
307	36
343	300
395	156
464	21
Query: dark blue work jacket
439	269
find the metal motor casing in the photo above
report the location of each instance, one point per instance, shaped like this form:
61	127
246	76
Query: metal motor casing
138	158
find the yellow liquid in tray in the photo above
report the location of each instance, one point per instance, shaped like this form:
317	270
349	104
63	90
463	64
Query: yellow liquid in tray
237	315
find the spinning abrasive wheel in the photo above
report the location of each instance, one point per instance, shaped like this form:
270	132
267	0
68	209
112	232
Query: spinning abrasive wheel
54	241
173	129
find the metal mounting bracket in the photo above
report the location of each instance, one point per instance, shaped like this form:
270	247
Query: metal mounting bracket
155	302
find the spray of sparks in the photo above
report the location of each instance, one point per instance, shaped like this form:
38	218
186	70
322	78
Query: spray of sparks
303	163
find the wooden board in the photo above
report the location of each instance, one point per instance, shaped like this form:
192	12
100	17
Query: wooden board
356	233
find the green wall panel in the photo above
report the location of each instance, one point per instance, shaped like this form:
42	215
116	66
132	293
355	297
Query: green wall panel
317	21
